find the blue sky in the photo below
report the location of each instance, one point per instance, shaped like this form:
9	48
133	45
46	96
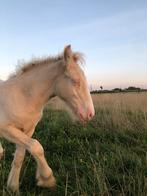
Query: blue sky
111	33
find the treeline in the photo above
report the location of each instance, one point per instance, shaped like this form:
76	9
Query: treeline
119	90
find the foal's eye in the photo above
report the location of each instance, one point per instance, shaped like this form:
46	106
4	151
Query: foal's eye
76	82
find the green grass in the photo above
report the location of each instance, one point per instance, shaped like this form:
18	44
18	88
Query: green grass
98	159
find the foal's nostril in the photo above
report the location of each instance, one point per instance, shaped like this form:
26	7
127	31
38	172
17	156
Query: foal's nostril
90	115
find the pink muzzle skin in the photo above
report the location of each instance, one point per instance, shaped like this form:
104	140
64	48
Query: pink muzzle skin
86	116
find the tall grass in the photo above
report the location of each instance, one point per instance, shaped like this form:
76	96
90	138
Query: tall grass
118	101
108	156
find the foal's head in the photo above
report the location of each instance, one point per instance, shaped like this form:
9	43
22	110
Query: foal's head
72	87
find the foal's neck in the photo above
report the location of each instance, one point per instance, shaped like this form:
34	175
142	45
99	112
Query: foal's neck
39	83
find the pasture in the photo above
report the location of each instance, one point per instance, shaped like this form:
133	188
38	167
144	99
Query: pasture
108	156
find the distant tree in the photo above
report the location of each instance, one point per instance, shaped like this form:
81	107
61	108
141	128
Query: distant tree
117	90
132	88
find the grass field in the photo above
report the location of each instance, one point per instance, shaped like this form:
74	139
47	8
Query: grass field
106	157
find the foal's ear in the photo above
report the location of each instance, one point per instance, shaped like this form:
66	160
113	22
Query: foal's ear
67	53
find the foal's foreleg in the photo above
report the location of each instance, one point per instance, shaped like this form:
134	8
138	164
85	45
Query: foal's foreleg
13	179
1	151
45	175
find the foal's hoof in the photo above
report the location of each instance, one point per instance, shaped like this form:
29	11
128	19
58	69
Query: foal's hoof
49	182
13	185
13	190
